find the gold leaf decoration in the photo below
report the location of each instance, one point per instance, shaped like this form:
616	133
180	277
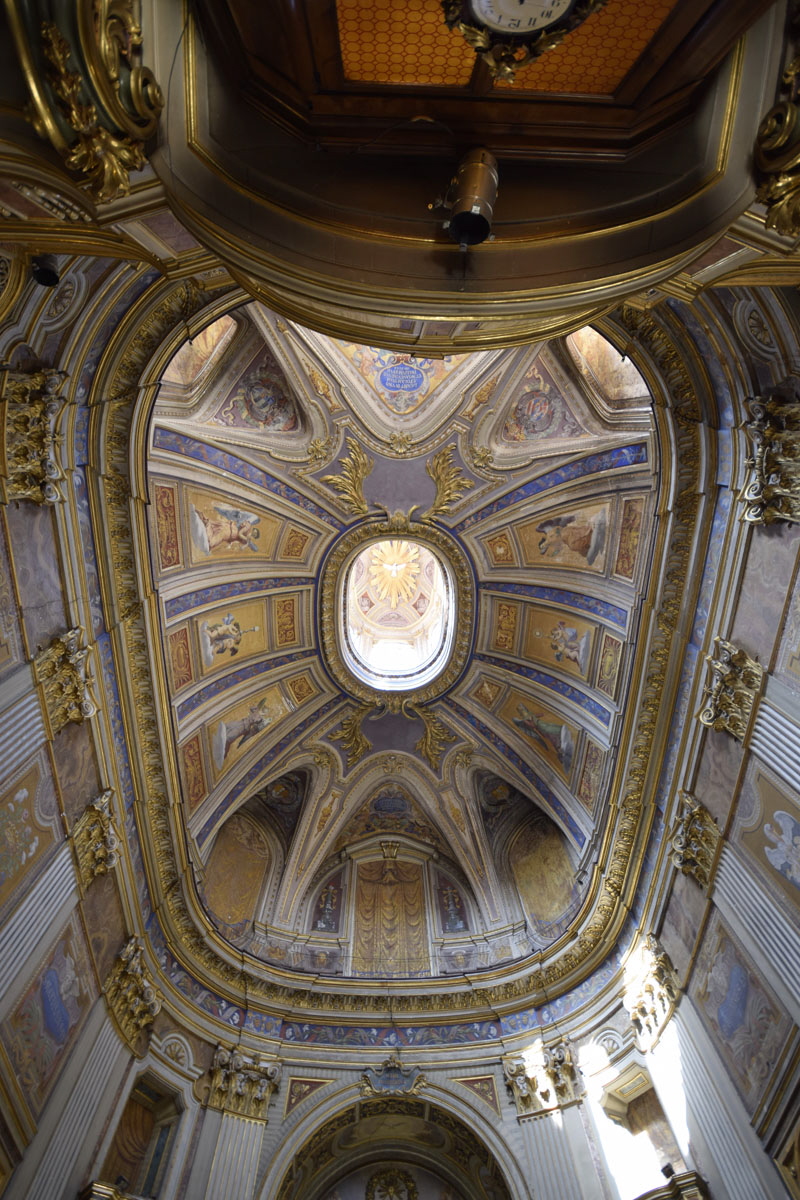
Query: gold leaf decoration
433	740
449	480
351	735
356	466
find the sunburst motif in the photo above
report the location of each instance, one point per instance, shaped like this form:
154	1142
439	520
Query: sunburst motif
394	570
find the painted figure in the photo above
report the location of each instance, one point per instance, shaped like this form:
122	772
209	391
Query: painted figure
566	644
785	854
235	733
223	637
231	529
583	537
549	735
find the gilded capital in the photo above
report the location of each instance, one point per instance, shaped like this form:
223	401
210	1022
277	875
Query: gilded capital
31	404
543	1078
733	687
131	995
695	841
65	684
242	1083
95	839
651	998
772	490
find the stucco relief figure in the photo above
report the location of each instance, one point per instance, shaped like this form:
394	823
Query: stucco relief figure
549	735
785	854
222	637
586	538
231	529
566	644
239	731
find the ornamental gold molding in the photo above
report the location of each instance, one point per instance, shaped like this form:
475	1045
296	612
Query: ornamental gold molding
730	695
31	405
62	674
772	492
243	1084
92	96
349	544
777	158
544	1079
351	735
355	467
449	480
695	842
392	1079
650	1000
131	995
95	839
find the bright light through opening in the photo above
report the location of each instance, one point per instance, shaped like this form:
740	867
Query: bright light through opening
397	615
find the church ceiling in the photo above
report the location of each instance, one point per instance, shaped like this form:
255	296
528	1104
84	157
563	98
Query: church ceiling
274	455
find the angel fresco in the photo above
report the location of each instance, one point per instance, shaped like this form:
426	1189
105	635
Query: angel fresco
222	637
785	854
566	644
553	736
231	529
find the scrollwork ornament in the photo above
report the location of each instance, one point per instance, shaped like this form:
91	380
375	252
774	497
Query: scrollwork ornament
132	997
695	841
95	839
732	690
777	159
242	1083
772	490
449	480
356	466
62	673
31	409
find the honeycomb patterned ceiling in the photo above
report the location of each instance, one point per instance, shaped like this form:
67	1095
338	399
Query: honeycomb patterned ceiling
409	45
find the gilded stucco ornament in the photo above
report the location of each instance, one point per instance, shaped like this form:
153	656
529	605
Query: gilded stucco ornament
242	1083
542	1079
772	490
651	996
62	672
131	995
92	95
732	690
392	1079
695	841
95	839
31	404
777	158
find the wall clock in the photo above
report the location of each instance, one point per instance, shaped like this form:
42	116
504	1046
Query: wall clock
508	34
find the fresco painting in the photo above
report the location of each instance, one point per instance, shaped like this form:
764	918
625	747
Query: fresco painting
630	529
43	1026
453	915
591	775
539	411
294	544
261	400
233	736
195	357
194	779
575	538
180	658
557	642
233	632
775	841
486	692
552	736
747	1024
608	670
402	381
220	529
326	914
235	869
506	620
166	516
26	831
542	870
501	550
612	374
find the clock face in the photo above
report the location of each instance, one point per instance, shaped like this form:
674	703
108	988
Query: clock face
519	17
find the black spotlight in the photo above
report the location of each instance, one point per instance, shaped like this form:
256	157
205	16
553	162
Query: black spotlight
668	1171
471	197
44	269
